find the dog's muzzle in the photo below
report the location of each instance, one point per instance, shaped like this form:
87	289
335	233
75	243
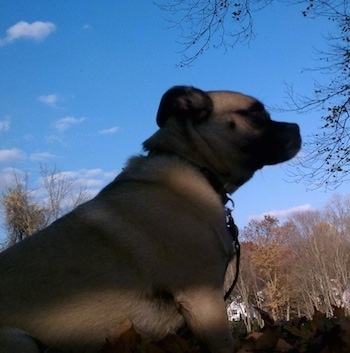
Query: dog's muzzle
279	143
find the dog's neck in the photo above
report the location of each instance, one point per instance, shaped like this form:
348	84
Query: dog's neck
216	184
213	180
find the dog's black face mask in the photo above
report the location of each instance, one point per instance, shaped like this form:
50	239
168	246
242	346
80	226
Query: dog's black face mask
277	143
281	142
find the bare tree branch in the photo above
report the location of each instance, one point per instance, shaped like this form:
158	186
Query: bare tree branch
326	156
205	24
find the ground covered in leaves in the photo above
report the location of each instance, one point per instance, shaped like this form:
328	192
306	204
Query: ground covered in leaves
318	335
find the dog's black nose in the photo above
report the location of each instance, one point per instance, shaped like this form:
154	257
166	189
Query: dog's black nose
295	142
281	143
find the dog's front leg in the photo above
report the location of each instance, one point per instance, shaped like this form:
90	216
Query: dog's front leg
205	313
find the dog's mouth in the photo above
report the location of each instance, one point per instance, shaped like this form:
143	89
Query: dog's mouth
279	144
284	154
288	143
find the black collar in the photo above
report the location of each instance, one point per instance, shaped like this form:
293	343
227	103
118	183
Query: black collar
217	185
213	180
230	224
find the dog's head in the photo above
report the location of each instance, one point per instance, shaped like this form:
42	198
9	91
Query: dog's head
229	133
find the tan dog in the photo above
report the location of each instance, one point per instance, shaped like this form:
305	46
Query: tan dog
152	246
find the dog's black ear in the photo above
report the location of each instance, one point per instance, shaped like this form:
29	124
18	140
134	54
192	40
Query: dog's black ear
183	103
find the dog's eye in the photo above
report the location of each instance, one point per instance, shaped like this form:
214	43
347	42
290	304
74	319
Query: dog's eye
263	116
256	114
259	119
242	112
232	125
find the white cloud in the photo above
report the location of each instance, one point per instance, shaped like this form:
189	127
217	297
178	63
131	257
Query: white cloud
110	131
7	155
97	176
92	178
41	156
50	100
89	180
87	27
54	139
5	124
9	177
67	122
95	179
37	30
90	173
285	213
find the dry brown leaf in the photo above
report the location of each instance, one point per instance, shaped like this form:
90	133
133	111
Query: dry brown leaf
338	312
321	334
268	341
170	344
122	339
265	342
254	335
344	324
247	347
283	346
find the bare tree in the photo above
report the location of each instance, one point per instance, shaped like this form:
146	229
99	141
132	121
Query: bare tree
321	269
26	210
270	260
291	268
22	216
338	214
327	153
247	286
62	192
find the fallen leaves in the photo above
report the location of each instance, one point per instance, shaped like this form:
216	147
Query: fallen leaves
318	335
123	338
126	339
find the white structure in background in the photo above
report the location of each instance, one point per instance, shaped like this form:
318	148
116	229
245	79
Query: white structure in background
340	297
346	298
237	310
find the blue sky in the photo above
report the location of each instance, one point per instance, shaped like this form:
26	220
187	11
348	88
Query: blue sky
81	82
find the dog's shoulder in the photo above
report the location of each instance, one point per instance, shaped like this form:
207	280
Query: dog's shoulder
167	172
